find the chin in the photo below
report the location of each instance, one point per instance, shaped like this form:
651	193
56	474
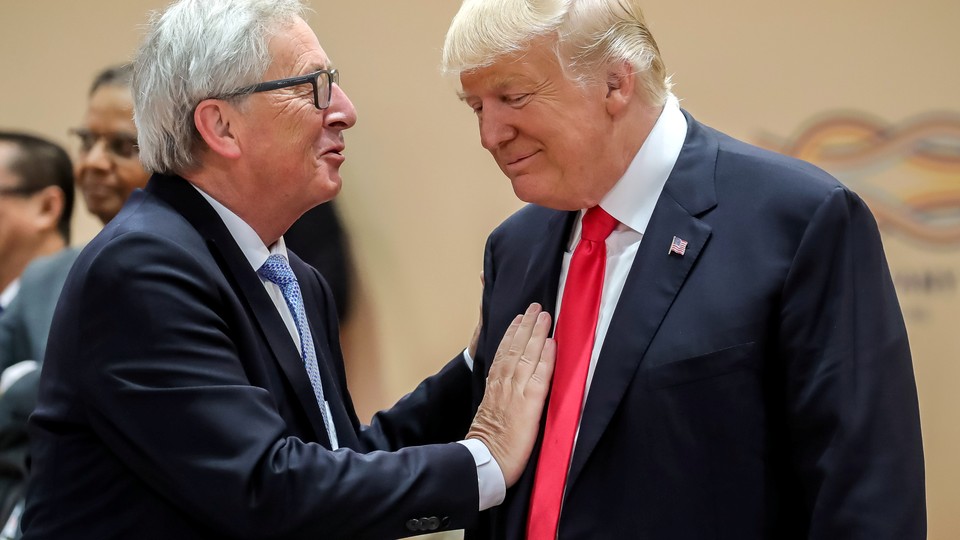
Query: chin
529	189
326	189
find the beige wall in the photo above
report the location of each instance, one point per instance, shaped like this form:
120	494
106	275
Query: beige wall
420	194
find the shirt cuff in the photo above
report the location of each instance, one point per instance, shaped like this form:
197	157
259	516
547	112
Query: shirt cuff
467	358
492	486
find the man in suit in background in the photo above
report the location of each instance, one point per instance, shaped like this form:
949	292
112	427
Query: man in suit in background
732	360
193	385
107	171
36	202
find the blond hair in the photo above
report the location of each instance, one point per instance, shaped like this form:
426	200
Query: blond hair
589	36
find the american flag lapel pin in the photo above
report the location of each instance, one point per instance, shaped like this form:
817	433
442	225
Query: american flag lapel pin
678	246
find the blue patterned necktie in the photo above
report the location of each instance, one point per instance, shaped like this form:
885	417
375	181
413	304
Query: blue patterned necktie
277	270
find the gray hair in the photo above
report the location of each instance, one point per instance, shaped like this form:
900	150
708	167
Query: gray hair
590	35
195	50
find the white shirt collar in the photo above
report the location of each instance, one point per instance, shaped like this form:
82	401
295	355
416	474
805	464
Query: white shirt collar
9	293
634	196
249	241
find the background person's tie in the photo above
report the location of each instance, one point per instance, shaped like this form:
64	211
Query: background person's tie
575	332
277	270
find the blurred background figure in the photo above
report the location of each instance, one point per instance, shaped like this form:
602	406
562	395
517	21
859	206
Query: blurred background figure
108	164
319	238
108	170
36	201
36	198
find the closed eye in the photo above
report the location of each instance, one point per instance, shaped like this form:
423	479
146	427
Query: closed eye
516	100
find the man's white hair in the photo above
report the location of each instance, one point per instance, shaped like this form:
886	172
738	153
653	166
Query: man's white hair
589	36
195	50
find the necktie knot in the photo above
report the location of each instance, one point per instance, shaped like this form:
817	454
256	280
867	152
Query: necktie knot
597	225
277	270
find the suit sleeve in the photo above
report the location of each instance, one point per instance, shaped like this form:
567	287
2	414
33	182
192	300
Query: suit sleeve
850	393
485	348
437	411
166	391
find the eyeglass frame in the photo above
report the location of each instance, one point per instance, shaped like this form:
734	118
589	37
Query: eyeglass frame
126	138
333	77
20	191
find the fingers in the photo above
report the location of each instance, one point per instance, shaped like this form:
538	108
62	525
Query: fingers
543	373
514	343
533	349
498	366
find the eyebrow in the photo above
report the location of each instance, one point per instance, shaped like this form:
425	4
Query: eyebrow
499	83
317	67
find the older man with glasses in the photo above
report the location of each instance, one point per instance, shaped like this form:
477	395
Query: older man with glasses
194	386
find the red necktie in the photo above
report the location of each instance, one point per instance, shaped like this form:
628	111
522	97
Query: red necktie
575	332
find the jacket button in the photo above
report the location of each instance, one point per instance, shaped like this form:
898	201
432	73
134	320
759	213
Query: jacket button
431	523
413	525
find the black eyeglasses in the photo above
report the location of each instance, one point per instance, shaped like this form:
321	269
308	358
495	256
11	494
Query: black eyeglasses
122	145
322	82
20	191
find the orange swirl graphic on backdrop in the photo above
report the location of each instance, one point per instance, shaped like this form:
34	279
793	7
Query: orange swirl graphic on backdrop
909	174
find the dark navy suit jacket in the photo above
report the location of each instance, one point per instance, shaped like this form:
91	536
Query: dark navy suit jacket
758	386
174	405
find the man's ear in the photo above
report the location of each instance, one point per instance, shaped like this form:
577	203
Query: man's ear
621	86
50	202
214	121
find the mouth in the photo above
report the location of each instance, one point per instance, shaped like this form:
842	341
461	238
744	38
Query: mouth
334	153
521	159
516	165
336	150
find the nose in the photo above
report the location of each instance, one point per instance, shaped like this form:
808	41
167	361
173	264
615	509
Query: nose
97	157
495	128
341	113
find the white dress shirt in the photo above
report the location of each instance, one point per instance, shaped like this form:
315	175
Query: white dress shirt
8	293
631	202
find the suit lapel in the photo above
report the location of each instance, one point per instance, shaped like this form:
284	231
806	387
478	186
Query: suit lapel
179	194
542	278
651	286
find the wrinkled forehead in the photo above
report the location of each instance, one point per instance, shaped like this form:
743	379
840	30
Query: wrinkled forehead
294	50
531	65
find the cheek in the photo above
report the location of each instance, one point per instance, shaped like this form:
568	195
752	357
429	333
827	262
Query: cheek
132	177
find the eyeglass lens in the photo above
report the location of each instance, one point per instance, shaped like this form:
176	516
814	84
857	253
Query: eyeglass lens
121	145
325	82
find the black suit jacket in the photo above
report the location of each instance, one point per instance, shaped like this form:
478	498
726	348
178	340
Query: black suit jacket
759	386
174	405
